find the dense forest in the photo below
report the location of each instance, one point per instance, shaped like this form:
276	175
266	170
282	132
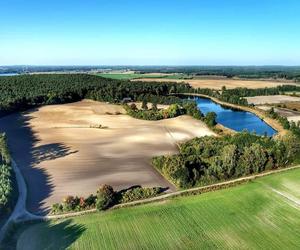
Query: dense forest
25	91
208	160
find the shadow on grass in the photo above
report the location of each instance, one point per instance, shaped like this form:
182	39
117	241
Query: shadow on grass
43	235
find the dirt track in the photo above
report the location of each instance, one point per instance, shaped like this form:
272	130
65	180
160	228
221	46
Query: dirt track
59	154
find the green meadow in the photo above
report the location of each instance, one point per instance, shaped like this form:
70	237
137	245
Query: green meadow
256	215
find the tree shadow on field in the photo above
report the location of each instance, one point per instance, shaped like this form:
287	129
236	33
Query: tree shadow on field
46	235
62	235
24	145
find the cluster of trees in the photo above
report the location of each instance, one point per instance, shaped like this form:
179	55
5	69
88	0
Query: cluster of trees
25	91
174	110
153	114
105	198
6	177
209	160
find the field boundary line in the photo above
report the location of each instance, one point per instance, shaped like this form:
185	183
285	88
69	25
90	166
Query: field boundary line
20	213
187	192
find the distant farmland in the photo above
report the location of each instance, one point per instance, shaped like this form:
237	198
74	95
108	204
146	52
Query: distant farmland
263	214
131	76
219	83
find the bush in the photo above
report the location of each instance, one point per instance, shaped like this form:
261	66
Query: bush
105	197
210	119
139	193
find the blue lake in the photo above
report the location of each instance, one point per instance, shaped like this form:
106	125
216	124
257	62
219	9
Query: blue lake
234	119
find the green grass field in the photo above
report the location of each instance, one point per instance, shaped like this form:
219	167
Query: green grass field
120	76
250	216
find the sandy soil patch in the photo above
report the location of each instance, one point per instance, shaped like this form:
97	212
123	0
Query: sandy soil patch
271	99
219	83
59	154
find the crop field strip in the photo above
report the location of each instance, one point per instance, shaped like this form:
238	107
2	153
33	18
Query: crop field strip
248	216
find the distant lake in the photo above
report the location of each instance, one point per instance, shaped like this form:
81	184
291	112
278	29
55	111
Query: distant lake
8	74
234	119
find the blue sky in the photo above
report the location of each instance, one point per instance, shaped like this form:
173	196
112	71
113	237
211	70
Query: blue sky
152	32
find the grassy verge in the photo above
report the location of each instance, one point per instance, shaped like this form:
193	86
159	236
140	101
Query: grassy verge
250	216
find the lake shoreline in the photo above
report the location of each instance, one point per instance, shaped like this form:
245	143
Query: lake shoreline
269	121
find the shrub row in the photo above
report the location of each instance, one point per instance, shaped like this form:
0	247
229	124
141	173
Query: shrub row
104	198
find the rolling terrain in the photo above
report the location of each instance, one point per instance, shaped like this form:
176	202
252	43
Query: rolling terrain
61	150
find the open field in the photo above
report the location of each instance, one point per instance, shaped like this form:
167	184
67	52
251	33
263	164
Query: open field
290	110
263	214
271	99
219	83
60	152
295	106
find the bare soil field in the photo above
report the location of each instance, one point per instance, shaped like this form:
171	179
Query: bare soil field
61	152
271	99
290	114
219	83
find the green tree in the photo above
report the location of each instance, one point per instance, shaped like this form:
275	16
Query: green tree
105	197
253	159
144	105
210	119
229	158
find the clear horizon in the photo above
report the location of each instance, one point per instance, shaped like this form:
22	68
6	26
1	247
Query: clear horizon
150	33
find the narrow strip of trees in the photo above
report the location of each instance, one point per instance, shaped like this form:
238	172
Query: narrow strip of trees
104	198
6	178
186	108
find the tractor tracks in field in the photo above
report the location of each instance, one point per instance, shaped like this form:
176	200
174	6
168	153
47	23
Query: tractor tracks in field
288	197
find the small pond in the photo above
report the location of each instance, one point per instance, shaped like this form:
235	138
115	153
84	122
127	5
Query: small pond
234	119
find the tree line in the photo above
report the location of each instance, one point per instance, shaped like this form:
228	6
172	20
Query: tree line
104	198
6	178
